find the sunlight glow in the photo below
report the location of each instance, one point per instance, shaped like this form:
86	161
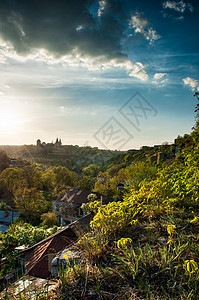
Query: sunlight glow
9	122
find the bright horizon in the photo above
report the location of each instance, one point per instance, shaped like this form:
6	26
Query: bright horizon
108	74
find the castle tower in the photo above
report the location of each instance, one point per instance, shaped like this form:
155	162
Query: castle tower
38	142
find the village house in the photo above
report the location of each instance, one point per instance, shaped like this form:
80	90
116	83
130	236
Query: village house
38	258
67	206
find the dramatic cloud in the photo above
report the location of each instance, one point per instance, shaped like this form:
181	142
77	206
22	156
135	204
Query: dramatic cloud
70	33
179	6
78	33
193	83
139	72
64	27
142	26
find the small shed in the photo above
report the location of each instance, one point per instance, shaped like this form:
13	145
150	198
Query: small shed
38	258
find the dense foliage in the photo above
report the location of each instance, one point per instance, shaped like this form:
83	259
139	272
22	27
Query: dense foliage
146	245
20	234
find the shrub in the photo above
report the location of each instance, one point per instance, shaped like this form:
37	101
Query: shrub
49	219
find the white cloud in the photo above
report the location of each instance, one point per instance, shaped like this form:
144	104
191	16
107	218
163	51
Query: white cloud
159	75
102	5
179	6
159	81
142	26
193	83
62	109
136	70
80	27
180	18
139	72
75	59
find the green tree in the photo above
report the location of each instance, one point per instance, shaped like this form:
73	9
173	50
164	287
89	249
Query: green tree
14	178
197	109
195	133
114	170
48	179
4	161
4	206
64	178
30	203
33	176
20	178
86	183
138	172
103	185
20	234
91	170
5	194
49	219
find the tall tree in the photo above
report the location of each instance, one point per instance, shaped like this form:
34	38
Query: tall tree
30	203
4	161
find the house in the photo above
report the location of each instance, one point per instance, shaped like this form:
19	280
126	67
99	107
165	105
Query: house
67	206
7	218
38	258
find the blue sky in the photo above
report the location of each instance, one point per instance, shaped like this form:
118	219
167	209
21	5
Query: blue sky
111	74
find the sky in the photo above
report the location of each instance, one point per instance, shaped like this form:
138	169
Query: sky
110	74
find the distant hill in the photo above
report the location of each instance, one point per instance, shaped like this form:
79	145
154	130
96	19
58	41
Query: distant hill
57	154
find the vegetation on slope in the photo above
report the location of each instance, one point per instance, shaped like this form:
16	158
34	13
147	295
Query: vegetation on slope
145	246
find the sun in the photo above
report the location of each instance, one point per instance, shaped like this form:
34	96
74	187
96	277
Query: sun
9	121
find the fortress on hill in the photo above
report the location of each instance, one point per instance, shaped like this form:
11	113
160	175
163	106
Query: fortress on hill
57	144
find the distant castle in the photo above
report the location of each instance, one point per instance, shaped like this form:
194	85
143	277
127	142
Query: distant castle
57	143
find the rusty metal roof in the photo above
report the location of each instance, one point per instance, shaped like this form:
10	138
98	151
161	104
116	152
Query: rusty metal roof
37	262
68	231
36	257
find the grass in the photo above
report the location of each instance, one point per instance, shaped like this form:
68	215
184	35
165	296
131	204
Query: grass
156	258
30	289
150	266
